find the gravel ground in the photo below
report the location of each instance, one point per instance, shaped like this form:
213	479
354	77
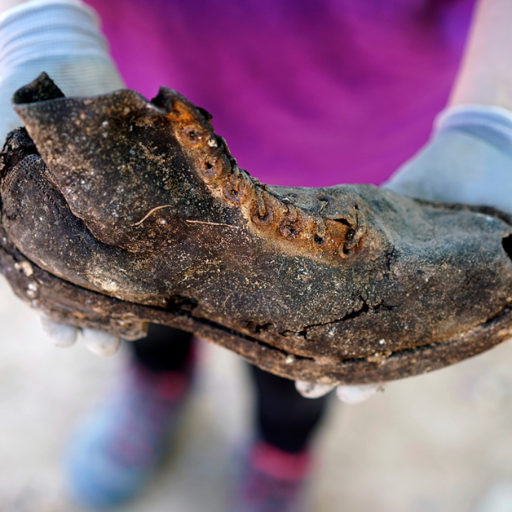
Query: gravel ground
437	443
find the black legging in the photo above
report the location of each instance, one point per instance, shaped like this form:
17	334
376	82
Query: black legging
284	418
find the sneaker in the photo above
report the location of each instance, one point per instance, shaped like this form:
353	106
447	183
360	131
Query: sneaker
272	480
115	453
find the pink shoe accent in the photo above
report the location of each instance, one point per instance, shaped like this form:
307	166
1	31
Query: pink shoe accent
172	386
278	464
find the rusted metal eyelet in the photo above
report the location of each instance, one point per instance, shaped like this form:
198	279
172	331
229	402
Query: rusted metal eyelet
193	136
288	229
346	252
214	168
354	236
236	191
262	221
349	236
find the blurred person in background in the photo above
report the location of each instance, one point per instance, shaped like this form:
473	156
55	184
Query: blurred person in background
307	94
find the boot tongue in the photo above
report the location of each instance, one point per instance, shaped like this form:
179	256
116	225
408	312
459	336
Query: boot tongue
43	88
114	158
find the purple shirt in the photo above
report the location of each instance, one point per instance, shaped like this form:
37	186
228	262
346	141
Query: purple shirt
306	93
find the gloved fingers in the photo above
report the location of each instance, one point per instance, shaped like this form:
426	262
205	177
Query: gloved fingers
468	160
63	38
98	342
60	335
347	394
101	343
357	394
312	390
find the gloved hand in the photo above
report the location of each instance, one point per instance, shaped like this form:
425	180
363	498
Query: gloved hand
63	38
347	394
467	160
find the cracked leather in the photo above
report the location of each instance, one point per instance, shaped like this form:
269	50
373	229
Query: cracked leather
117	211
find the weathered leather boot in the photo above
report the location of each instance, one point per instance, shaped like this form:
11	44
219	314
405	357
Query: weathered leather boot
118	211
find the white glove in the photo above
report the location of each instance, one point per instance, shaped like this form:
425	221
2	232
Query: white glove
467	160
99	343
347	394
63	38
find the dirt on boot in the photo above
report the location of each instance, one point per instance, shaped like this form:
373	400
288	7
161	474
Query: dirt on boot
117	211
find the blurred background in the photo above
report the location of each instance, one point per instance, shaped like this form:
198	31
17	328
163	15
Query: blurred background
437	443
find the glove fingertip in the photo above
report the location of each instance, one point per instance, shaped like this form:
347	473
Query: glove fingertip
101	343
312	389
357	394
60	335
